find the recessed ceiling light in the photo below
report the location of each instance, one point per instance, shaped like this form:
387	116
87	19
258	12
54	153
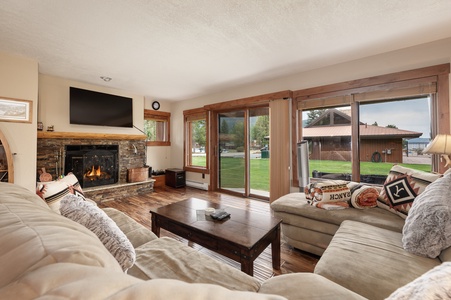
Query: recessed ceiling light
105	78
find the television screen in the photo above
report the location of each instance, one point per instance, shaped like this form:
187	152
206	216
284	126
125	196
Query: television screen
95	108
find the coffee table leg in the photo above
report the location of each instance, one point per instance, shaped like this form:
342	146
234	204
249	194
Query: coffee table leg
247	266
275	250
155	227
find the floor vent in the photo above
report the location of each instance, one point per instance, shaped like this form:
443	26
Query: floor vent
197	185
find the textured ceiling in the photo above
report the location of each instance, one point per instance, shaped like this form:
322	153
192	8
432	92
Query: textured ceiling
180	49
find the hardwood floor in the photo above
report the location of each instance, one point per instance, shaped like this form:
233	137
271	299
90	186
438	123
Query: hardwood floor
137	207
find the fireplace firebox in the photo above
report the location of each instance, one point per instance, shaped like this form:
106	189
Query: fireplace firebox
93	165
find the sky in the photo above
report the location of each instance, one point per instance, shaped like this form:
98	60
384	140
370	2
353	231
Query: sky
413	115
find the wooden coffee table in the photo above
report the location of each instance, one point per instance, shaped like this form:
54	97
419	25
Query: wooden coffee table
242	237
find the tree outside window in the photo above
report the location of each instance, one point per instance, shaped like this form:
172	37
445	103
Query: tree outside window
196	142
156	127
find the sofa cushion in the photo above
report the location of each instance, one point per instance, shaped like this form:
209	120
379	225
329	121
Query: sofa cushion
42	237
306	286
168	258
427	230
73	281
289	206
401	188
434	284
53	191
89	215
370	260
135	232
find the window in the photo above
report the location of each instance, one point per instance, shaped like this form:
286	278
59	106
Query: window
196	141
157	127
392	116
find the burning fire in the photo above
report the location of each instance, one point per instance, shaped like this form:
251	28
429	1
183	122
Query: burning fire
94	172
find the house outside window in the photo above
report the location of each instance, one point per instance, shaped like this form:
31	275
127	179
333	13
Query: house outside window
196	140
408	104
157	128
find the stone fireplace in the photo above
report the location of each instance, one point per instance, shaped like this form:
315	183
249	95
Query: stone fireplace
63	152
93	165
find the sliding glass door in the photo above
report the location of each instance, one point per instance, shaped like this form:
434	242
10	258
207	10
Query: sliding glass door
243	145
232	160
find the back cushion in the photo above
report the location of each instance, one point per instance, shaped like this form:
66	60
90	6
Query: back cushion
32	236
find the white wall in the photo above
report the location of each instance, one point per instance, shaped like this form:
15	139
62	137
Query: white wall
19	79
429	54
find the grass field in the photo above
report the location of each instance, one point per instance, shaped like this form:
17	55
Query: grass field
232	170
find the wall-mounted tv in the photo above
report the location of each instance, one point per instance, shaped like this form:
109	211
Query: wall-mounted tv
100	109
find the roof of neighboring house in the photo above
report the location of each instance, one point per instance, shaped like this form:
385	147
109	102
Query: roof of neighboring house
368	131
343	129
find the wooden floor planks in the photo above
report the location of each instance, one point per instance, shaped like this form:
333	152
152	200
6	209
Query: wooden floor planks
137	207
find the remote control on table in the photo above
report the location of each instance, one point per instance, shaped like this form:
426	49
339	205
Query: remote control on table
220	215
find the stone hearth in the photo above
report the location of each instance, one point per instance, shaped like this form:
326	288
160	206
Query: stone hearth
50	155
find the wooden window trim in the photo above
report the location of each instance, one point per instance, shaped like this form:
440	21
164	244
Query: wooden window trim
433	78
189	116
159	115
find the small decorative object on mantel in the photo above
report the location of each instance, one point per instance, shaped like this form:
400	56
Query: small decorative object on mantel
50	128
40	126
45	177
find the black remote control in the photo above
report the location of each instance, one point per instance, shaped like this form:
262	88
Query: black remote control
220	215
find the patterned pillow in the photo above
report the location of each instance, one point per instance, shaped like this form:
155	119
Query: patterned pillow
401	188
89	215
427	230
330	194
364	196
53	191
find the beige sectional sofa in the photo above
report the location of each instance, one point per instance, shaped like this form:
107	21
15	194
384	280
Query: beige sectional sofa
363	250
46	255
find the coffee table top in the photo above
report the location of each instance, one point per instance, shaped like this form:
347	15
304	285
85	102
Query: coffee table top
243	227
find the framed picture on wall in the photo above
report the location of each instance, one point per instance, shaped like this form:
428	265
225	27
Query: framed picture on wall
15	110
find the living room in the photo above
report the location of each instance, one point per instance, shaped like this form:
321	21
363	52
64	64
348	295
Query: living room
25	77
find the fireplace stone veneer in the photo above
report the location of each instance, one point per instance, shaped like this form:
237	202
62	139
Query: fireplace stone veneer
51	146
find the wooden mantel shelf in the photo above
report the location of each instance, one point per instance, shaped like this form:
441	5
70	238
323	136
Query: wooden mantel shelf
88	135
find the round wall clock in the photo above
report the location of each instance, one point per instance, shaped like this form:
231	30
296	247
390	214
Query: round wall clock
156	105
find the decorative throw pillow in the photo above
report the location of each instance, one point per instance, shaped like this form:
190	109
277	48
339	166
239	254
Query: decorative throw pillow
330	194
434	284
427	230
89	215
401	188
364	196
53	191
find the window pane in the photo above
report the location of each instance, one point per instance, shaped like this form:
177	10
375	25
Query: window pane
328	132
259	151
198	138
156	130
393	132
232	167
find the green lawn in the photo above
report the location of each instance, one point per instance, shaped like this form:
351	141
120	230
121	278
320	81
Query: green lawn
366	168
232	170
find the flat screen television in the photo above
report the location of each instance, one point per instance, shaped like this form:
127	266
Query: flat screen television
100	109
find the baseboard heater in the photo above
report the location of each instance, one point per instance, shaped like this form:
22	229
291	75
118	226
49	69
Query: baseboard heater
197	185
